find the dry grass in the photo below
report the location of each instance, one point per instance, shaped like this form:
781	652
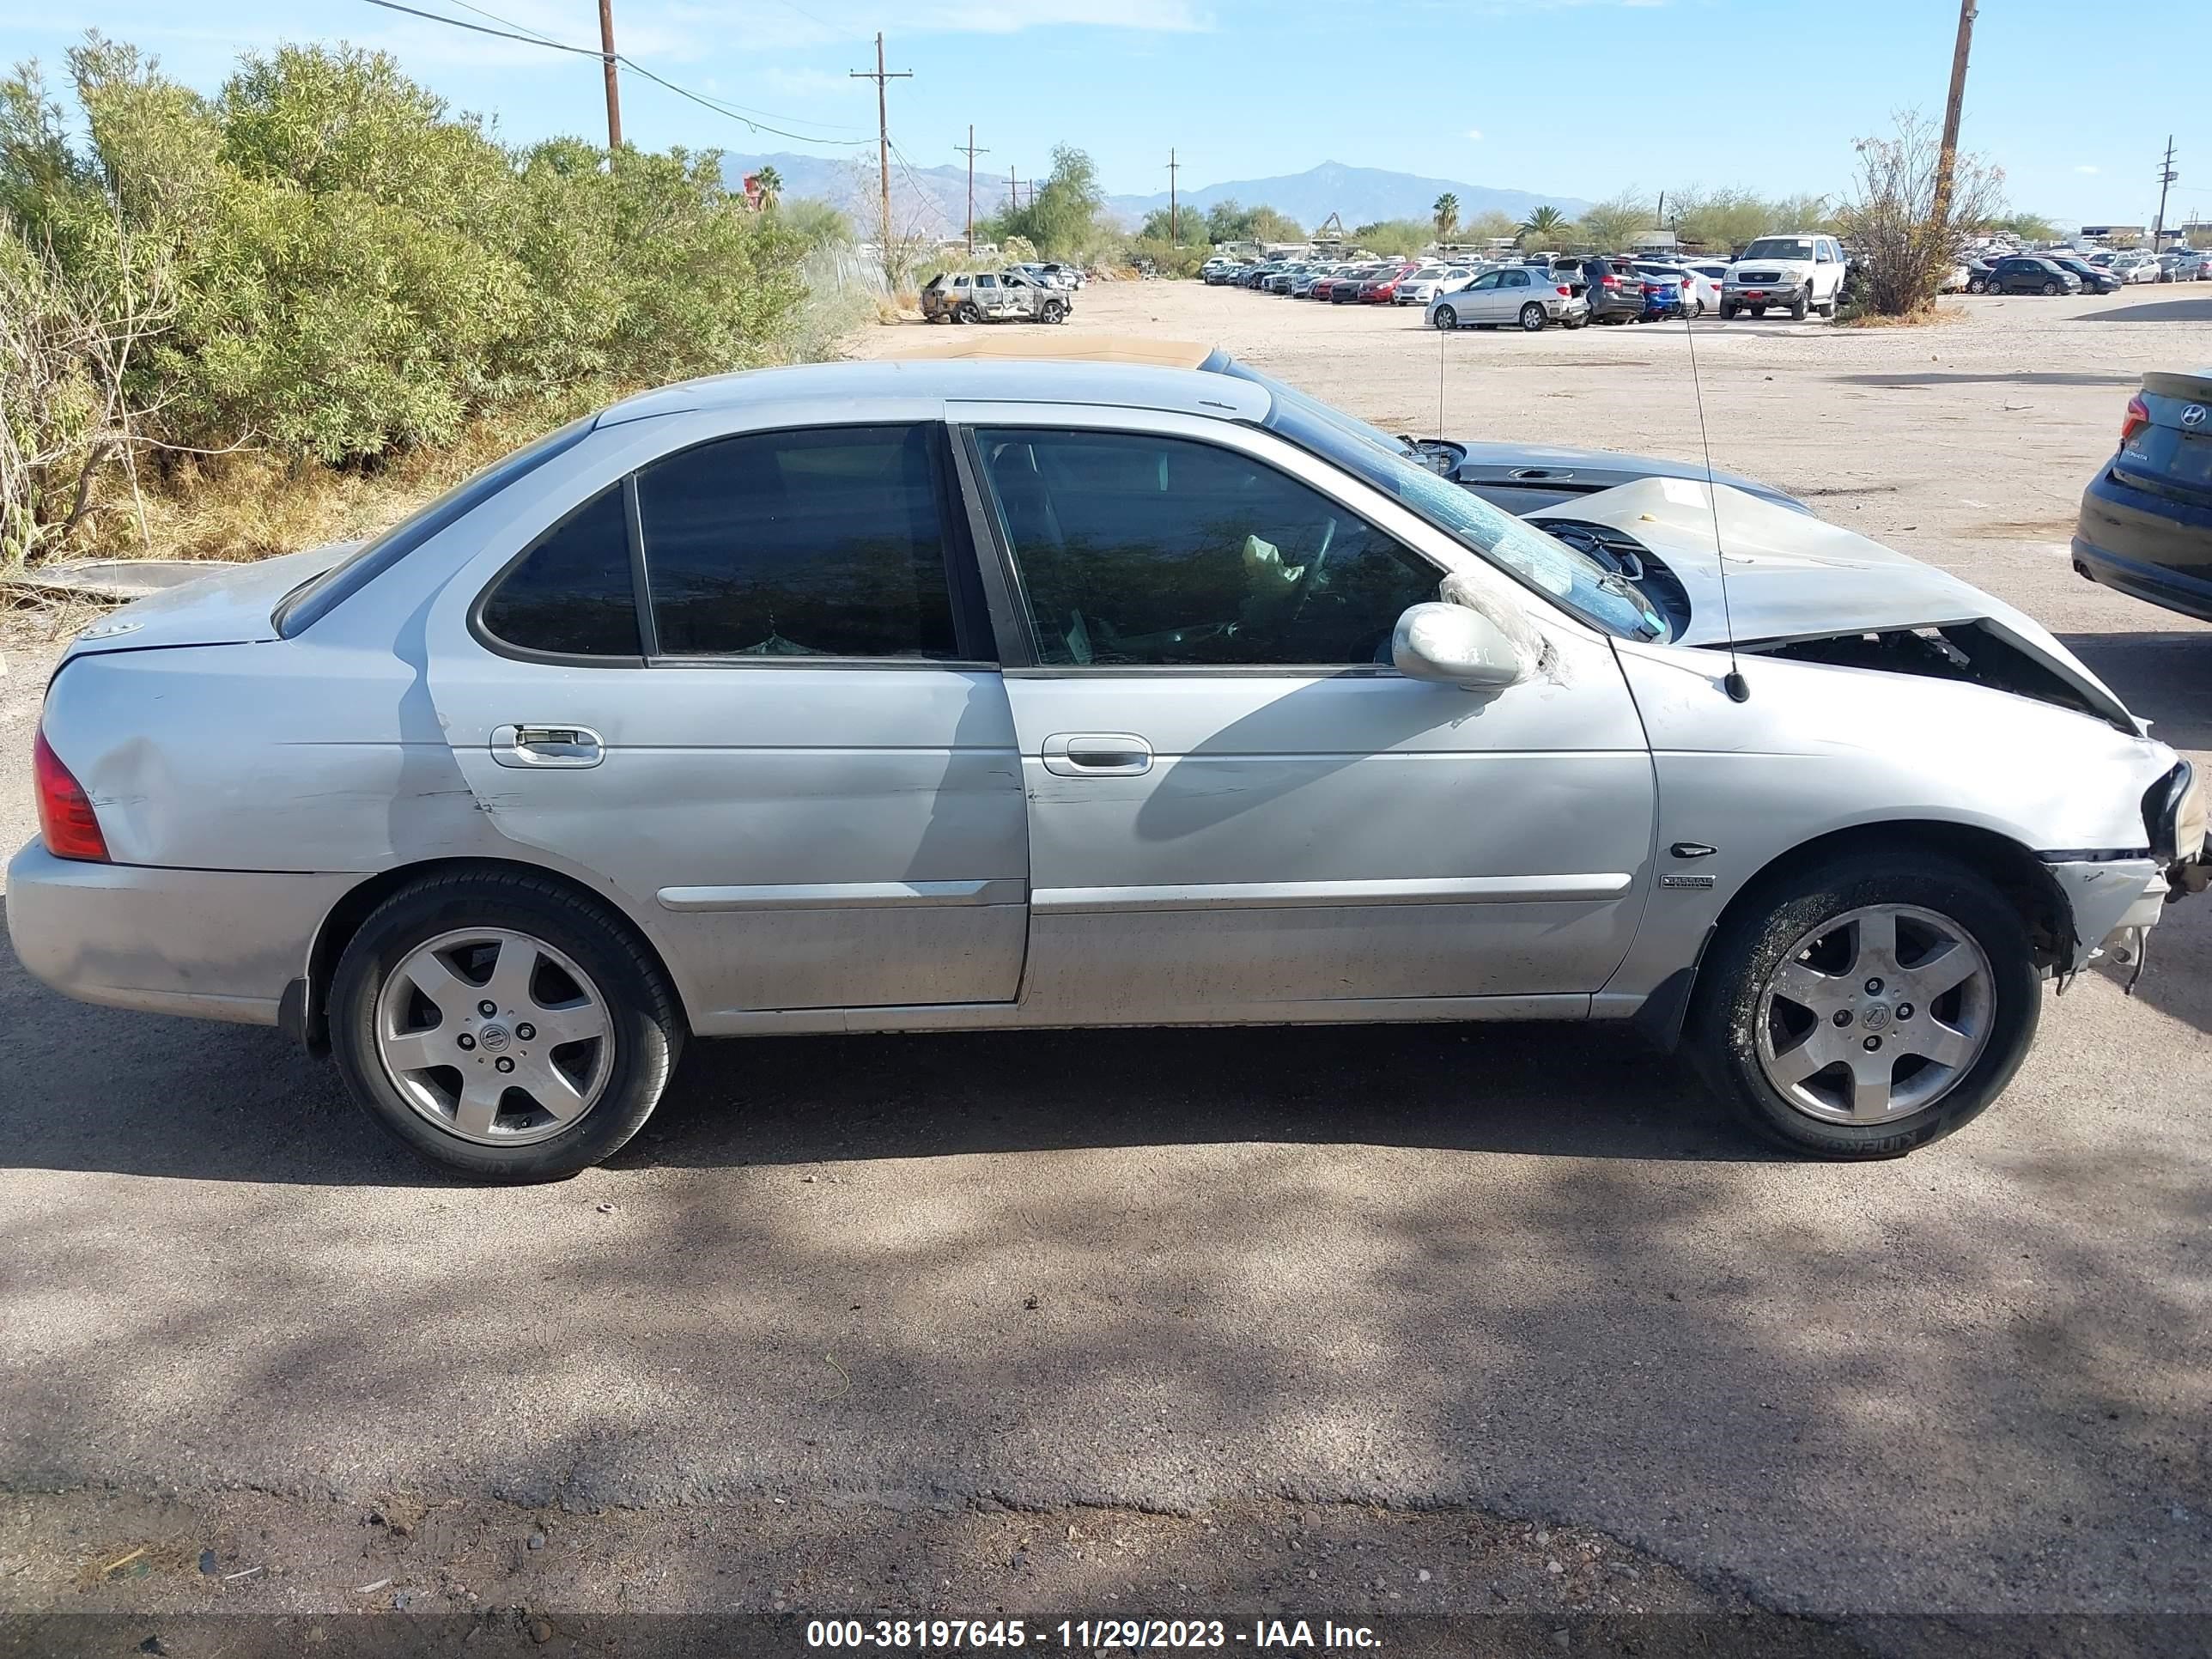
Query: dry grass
252	505
1928	316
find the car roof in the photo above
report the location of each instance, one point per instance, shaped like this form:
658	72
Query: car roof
1130	372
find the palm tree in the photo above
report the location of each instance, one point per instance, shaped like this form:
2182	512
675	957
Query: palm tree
1447	212
1544	223
771	186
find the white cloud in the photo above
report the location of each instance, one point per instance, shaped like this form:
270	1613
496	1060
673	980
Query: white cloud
1475	133
2085	168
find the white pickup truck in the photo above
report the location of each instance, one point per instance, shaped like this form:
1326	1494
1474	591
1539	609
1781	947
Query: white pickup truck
1803	270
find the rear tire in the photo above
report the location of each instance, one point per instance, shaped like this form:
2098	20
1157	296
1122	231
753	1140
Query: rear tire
966	313
1731	1035
1977	285
584	961
1533	318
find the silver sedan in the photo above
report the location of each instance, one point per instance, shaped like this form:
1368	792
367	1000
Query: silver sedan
942	694
1515	296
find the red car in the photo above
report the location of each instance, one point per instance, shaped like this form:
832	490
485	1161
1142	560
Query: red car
1383	290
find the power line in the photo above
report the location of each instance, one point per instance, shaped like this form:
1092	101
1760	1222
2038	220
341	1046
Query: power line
734	111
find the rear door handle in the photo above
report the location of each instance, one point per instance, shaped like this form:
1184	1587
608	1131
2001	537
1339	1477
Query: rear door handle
547	745
1096	755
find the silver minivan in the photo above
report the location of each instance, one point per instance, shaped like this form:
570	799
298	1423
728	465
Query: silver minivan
947	695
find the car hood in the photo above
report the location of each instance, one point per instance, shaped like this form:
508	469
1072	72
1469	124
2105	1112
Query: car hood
234	605
1546	464
1787	267
1792	576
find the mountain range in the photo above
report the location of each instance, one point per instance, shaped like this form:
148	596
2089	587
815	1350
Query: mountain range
934	200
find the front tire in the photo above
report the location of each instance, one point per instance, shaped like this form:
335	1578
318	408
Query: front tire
581	1039
1867	1006
2053	290
1803	304
1447	318
1728	310
1533	318
1053	312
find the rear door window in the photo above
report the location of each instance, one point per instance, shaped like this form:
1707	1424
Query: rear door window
822	542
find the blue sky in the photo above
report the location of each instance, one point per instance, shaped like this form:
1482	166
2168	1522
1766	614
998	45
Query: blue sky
1516	93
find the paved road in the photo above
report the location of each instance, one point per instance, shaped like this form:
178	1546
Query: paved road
1532	1276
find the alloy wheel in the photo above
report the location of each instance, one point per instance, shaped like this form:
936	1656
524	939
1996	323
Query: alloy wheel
494	1036
1876	1014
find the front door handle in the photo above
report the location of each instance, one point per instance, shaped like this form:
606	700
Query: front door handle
547	745
1096	755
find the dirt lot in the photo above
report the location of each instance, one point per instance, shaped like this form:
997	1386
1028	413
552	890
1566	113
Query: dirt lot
1343	1320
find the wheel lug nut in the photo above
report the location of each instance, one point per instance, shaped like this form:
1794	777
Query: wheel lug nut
1843	1016
466	1040
525	1032
486	1009
1871	1044
1904	1010
1873	988
502	1064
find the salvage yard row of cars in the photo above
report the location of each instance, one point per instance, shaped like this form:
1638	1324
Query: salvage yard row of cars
1036	681
1799	274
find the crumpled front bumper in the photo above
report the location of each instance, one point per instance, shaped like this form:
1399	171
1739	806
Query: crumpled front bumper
2107	897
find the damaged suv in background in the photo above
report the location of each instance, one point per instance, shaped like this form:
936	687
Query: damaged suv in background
938	694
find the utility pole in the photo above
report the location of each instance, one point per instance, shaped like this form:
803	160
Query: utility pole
1946	160
1175	228
607	62
970	150
882	77
1013	190
2167	175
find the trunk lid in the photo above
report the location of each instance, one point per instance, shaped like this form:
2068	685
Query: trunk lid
2172	456
233	604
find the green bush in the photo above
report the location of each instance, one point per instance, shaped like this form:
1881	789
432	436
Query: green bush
358	270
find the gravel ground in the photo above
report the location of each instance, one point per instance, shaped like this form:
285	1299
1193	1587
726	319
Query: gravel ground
1417	1295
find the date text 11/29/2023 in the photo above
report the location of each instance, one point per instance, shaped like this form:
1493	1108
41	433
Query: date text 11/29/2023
1086	1635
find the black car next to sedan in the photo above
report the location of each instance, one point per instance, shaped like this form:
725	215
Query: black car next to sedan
2093	280
2032	273
2146	524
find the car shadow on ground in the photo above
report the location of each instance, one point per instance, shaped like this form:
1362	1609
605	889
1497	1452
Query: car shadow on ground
147	1095
2176	310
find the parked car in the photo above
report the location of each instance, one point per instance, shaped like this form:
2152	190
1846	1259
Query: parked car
1281	282
2033	273
1345	289
1515	296
1803	272
1978	275
2146	521
1673	285
1666	290
1705	292
511	803
986	297
1425	283
2092	280
2193	264
1610	288
2135	267
1302	285
1072	277
1954	280
1382	288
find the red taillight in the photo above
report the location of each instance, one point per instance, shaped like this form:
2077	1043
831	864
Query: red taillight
1613	282
2137	417
67	822
1567	291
